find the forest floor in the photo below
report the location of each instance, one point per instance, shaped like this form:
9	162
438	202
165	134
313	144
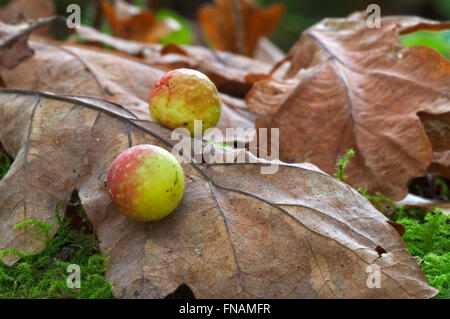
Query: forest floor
44	275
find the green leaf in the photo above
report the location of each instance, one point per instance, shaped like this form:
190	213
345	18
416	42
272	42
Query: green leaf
439	41
182	36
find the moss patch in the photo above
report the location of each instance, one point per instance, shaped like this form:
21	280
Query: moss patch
5	164
428	238
45	275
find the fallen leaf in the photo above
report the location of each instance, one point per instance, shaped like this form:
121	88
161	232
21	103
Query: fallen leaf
229	72
91	36
267	51
72	69
237	25
68	69
130	22
28	9
237	233
414	201
14	41
437	128
350	86
440	165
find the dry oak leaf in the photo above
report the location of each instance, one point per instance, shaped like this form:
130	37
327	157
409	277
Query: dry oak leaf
14	44
437	128
28	9
70	69
237	25
130	22
231	73
237	233
74	70
14	41
414	201
354	87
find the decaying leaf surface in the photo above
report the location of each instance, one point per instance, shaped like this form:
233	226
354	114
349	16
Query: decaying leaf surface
437	128
14	41
237	233
229	72
18	10
82	70
67	69
414	201
28	9
237	25
130	22
13	51
350	86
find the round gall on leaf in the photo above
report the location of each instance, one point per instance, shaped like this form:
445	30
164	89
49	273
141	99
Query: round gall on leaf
182	96
145	183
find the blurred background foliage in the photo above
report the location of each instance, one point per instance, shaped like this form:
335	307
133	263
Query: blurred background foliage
299	15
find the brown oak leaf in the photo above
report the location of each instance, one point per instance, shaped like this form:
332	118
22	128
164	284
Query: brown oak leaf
237	233
18	10
75	69
231	73
414	201
237	25
130	22
350	86
14	41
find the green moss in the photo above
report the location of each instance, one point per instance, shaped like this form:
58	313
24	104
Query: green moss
430	236
45	275
5	164
342	164
437	270
427	237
